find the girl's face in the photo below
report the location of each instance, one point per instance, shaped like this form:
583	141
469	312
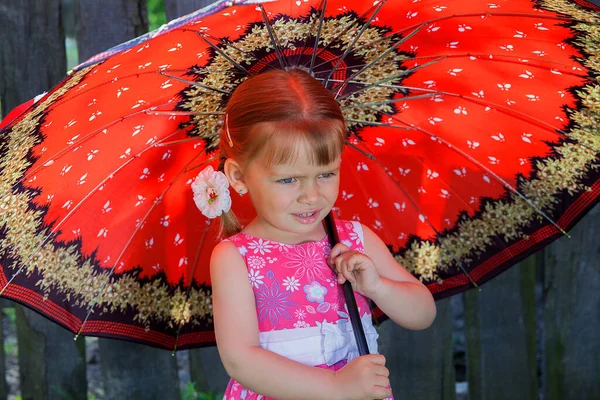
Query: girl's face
291	200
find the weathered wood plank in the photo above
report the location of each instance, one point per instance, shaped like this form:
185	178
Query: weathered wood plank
178	8
33	31
420	362
101	26
138	372
500	336
572	313
207	371
130	371
3	383
33	53
52	365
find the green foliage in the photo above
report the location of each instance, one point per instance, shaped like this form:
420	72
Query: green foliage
156	14
11	349
72	53
190	393
9	312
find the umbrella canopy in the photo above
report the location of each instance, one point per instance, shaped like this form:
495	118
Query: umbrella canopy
472	142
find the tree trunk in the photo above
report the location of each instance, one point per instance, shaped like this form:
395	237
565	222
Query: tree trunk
32	55
420	362
33	61
572	313
178	8
52	365
138	372
500	328
101	25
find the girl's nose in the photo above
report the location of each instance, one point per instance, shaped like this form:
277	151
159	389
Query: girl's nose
310	195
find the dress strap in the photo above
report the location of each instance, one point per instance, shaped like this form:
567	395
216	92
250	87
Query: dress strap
359	231
351	234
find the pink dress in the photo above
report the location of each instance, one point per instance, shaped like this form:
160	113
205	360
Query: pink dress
300	307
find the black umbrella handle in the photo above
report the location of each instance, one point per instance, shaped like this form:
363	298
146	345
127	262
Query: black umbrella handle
359	332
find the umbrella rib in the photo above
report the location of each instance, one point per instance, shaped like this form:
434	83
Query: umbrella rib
388	79
503	109
419	210
192	273
432	21
78	205
84	139
222	53
483	167
230	44
272	36
195	70
383	54
137	229
373	157
391	101
346	29
196	139
372	123
81	92
318	37
351	46
183	113
307	36
192	83
489	57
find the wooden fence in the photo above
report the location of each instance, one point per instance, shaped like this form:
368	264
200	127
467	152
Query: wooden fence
531	333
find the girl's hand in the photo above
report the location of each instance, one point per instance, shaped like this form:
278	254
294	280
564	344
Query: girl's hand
355	267
364	378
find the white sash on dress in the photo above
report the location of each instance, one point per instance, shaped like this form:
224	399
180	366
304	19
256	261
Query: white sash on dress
326	343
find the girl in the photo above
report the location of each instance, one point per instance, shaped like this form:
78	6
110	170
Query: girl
280	323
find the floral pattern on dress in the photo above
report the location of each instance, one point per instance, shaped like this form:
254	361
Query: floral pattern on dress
307	260
294	288
273	303
291	283
315	292
260	247
294	266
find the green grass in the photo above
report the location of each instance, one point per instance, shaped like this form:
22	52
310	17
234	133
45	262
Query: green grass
190	393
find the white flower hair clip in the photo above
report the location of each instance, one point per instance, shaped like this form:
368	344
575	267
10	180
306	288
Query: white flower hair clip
211	192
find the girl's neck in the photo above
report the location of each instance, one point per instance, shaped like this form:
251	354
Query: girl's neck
264	230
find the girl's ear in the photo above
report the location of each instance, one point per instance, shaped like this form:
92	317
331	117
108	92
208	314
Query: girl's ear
234	175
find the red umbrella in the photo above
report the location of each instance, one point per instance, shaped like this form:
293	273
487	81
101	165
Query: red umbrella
472	143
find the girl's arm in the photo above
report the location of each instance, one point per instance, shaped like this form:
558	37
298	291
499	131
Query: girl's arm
400	295
260	370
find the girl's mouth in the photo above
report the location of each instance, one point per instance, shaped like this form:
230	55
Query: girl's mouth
308	217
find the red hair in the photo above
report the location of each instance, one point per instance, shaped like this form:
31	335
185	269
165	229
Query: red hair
271	114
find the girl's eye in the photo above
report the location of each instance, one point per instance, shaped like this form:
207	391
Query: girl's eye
286	181
327	175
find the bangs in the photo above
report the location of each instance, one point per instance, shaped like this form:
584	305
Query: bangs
280	142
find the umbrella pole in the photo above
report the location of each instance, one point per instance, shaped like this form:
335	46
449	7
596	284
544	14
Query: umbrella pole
357	328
